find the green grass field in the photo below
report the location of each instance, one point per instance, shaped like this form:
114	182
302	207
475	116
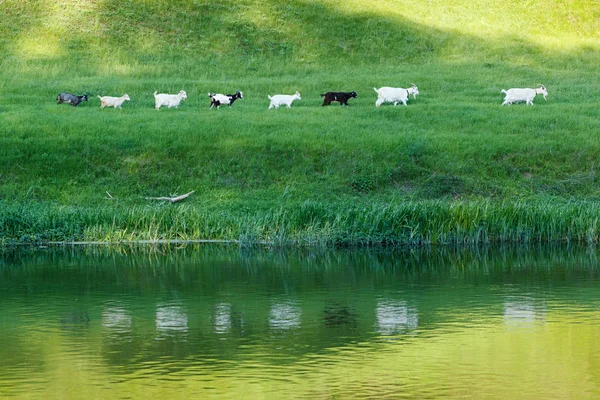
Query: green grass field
454	166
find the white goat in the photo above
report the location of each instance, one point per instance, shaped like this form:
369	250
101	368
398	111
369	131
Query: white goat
395	95
169	100
283	99
112	101
527	95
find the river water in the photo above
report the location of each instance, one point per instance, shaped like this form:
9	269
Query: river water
213	322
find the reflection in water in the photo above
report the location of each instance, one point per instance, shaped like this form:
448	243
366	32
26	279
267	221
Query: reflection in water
74	319
284	316
117	320
394	317
521	313
223	323
171	321
337	314
222	318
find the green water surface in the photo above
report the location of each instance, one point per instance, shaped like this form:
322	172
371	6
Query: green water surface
229	323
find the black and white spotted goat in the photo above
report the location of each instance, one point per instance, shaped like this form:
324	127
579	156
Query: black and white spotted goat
218	100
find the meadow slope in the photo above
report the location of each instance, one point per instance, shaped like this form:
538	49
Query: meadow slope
454	166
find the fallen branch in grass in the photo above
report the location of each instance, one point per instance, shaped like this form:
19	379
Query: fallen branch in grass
171	199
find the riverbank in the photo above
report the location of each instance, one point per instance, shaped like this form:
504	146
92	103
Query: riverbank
311	224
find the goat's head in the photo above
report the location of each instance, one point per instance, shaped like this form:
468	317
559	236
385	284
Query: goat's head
414	90
126	97
239	94
84	97
297	96
542	90
353	94
183	94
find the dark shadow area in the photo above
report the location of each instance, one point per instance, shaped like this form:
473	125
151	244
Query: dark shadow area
212	34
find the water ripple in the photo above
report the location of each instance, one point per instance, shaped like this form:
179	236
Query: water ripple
351	326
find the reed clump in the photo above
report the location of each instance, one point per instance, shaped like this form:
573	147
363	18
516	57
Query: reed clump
313	223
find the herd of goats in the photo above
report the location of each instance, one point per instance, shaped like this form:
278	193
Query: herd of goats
384	95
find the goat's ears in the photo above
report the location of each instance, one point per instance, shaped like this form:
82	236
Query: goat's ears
413	85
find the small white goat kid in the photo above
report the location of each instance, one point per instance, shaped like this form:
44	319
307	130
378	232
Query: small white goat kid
169	100
395	95
283	99
527	95
109	101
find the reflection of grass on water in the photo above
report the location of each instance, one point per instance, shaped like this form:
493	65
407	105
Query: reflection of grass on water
140	268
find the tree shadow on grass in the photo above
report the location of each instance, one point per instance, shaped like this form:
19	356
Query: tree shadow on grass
210	35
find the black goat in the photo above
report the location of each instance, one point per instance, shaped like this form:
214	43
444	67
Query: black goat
69	98
341	97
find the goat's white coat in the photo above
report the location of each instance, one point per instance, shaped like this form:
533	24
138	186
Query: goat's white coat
112	101
169	100
516	95
388	94
221	98
283	99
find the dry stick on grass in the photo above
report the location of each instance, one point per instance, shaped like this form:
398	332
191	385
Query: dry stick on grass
171	199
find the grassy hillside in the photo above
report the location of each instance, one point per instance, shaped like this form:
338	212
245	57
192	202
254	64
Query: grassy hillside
207	35
257	172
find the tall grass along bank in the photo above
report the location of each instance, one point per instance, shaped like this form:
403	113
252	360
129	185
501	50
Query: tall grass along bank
311	223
